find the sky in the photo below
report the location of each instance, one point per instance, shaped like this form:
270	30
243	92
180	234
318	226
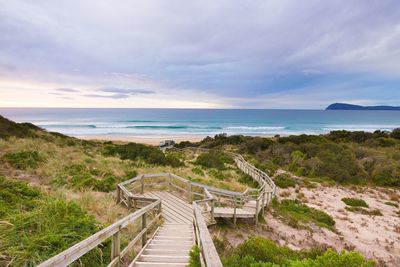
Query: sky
199	54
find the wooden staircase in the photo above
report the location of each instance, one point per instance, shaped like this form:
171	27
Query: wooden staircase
170	246
172	242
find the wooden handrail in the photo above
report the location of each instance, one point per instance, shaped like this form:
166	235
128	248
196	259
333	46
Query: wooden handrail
78	250
204	241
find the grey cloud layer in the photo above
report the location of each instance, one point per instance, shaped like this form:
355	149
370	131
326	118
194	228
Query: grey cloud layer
229	48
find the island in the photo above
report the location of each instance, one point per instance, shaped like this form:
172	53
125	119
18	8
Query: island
344	106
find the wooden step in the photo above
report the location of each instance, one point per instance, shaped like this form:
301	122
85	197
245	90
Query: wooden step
174	238
176	246
183	252
169	242
164	258
159	264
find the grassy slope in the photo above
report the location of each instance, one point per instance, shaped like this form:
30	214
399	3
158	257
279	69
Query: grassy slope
75	180
68	168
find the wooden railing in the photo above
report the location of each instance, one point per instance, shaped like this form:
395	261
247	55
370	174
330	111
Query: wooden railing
262	196
208	253
113	231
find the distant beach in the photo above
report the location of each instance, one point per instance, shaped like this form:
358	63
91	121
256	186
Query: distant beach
154	125
155	140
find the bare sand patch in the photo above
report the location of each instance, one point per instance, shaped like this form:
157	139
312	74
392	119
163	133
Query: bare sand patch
376	237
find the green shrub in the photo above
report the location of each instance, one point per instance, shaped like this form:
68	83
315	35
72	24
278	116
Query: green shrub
333	259
261	252
21	130
194	255
106	184
355	202
173	161
16	195
198	171
25	159
393	204
40	226
284	181
265	250
149	154
374	212
216	174
297	214
80	176
247	180
210	160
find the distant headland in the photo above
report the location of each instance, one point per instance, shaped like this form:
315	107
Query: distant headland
344	106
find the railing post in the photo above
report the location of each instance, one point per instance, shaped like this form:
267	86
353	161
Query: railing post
189	193
169	182
116	247
129	202
144	236
142	184
212	210
118	194
256	217
234	213
263	203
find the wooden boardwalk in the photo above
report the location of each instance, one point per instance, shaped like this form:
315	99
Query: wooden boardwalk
184	221
171	244
173	209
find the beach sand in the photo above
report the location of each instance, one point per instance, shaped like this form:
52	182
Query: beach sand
150	140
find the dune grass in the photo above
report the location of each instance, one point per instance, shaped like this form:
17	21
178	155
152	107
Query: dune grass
355	202
39	226
298	215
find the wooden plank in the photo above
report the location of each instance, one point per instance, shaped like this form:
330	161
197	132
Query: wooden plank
170	208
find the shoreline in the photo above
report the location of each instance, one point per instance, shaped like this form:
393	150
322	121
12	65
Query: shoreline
148	140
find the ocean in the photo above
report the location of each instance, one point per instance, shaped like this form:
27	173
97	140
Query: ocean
183	122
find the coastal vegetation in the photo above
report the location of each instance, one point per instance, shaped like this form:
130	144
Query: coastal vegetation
67	193
35	226
355	202
262	252
299	215
341	156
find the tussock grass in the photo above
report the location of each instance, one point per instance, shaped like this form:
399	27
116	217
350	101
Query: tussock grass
355	202
298	215
40	226
284	180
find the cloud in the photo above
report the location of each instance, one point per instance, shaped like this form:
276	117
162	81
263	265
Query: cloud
127	91
112	96
67	90
258	49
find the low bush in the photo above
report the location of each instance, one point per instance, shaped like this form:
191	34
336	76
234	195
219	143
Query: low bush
284	181
355	202
261	252
216	174
194	260
79	176
212	159
40	226
25	159
393	204
297	214
198	171
149	154
247	180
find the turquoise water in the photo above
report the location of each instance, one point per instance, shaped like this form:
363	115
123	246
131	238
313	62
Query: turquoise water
175	122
